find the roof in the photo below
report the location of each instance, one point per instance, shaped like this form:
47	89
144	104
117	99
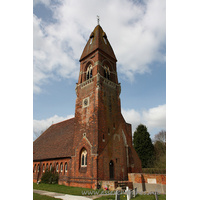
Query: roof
100	41
55	142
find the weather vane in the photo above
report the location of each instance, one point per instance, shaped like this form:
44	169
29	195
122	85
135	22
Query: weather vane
98	19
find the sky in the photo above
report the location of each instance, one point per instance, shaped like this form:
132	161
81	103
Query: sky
136	31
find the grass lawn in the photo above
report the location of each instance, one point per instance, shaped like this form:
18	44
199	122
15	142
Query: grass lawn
42	197
78	191
61	188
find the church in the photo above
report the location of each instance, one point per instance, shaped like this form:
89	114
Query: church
96	144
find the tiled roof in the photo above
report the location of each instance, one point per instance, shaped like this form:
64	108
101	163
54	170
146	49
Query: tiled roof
55	142
100	41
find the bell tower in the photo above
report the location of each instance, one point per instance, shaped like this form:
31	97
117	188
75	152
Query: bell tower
98	90
100	128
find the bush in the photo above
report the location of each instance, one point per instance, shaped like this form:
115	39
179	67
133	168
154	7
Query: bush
153	170
50	176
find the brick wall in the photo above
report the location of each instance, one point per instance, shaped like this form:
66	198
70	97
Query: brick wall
148	182
146	178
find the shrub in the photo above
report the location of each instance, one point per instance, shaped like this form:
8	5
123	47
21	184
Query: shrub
50	176
154	170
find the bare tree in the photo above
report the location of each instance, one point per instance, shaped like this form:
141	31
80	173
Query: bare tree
160	149
161	137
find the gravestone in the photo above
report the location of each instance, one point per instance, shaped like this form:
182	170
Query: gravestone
129	193
134	192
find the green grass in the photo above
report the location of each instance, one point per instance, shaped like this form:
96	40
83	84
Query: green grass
78	191
42	197
138	197
61	188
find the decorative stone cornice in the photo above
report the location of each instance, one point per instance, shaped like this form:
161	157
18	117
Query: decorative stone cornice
87	82
109	83
105	81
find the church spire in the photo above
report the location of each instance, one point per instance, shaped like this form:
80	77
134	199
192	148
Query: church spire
98	41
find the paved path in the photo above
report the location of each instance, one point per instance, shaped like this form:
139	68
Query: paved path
64	196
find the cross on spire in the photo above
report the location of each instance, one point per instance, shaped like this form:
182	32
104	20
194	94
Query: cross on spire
98	19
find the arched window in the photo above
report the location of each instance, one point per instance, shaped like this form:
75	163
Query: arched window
34	168
57	167
104	40
106	72
91	37
103	138
43	169
47	166
111	166
38	169
91	40
50	166
61	167
84	158
105	37
88	75
89	72
65	167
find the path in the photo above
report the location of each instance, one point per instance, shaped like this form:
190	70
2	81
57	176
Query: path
64	196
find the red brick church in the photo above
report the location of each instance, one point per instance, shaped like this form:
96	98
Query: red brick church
96	144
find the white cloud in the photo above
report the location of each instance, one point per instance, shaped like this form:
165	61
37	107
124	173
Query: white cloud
132	117
136	32
154	118
42	125
49	58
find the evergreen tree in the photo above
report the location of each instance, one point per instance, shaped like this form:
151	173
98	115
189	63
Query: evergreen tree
143	145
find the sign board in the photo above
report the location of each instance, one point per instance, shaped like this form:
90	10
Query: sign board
151	180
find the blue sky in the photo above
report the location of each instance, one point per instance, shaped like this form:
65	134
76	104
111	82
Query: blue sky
137	33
